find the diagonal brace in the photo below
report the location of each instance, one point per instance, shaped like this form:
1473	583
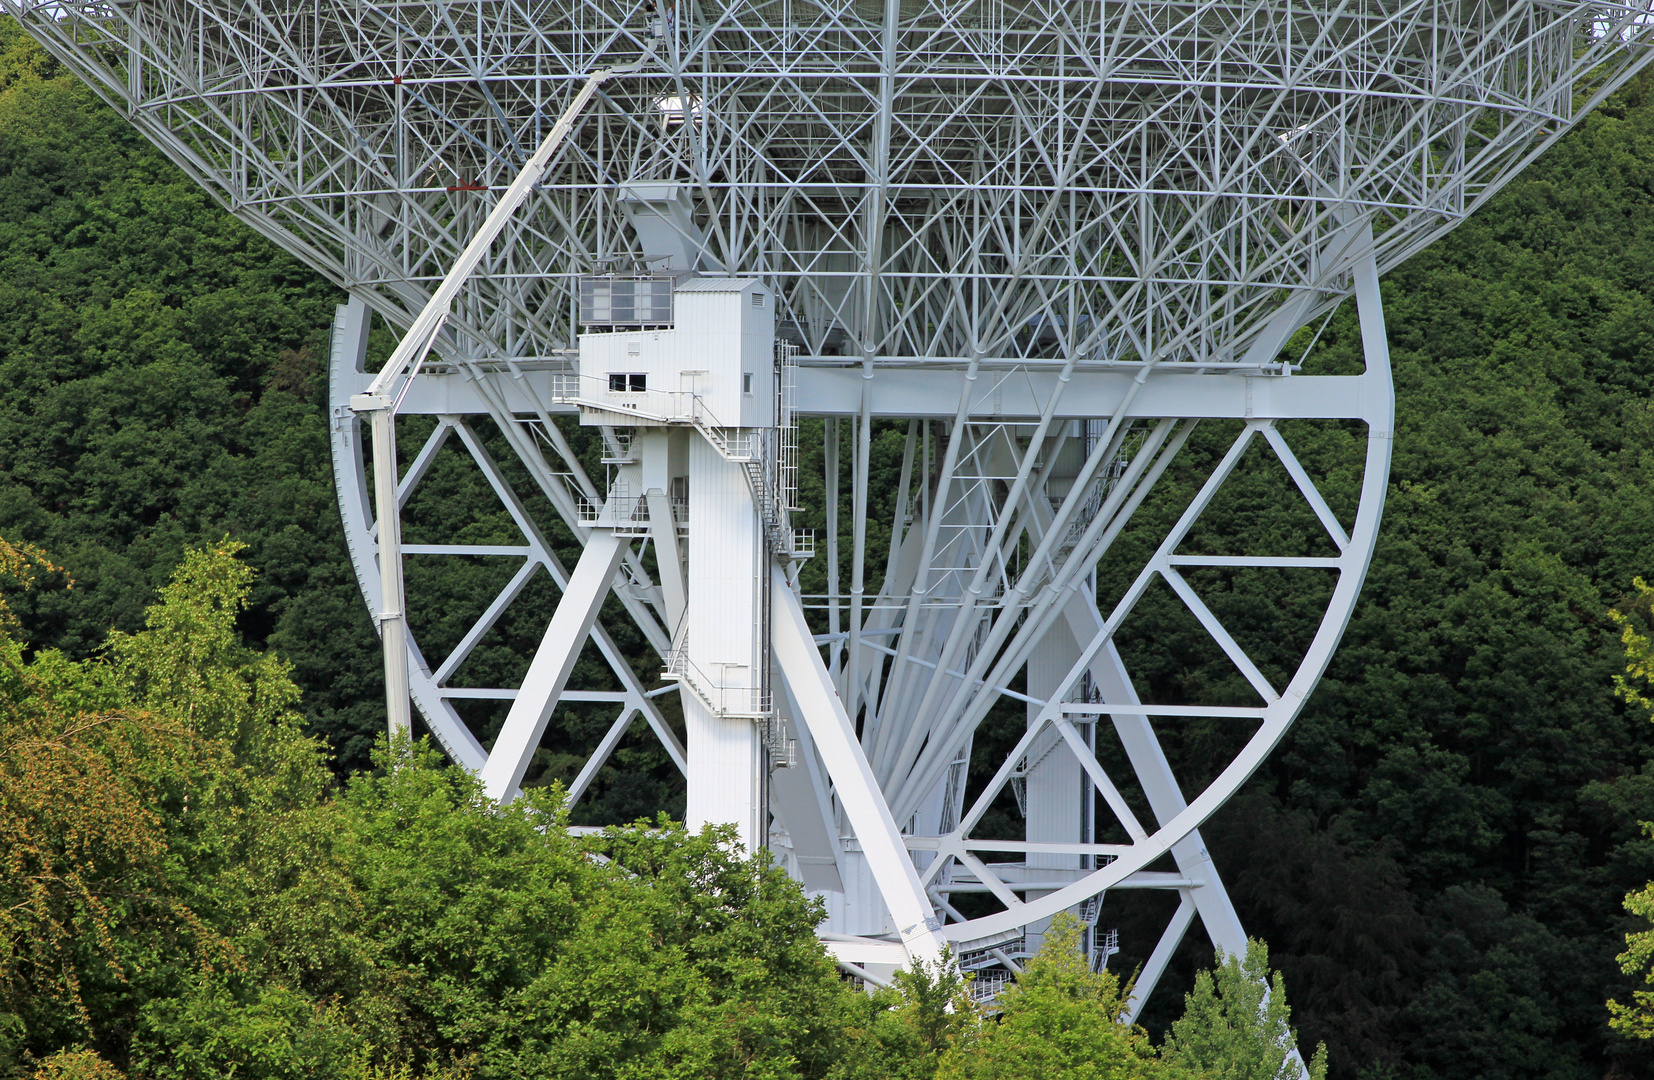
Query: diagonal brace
549	672
829	725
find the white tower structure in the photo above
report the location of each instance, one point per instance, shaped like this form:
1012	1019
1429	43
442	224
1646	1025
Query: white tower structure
1046	240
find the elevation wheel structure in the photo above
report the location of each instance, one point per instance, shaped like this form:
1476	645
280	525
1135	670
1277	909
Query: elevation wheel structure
1053	238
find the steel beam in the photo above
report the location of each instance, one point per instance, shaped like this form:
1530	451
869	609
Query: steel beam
548	673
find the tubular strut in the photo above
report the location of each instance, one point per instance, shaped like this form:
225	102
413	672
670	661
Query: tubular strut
422	332
380	404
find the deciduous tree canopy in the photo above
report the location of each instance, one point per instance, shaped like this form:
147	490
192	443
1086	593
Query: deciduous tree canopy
189	898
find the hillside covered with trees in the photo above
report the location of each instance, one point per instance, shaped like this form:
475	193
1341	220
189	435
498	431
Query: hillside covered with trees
1436	855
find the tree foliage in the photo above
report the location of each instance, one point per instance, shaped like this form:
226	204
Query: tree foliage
1437	851
114	807
189	897
1236	1025
160	386
185	898
1060	1018
1637	1019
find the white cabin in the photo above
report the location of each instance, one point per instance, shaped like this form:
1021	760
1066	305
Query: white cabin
716	362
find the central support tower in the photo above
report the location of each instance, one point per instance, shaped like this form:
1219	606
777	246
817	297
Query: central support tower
700	478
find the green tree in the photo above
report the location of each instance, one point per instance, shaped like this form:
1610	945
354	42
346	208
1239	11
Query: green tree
1431	850
1059	1019
1236	1026
1636	1020
904	1031
414	921
76	1065
191	900
117	811
161	386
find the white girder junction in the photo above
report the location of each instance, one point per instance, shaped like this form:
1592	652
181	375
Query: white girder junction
1053	236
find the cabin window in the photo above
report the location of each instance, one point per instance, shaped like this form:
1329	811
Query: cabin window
746	383
630	382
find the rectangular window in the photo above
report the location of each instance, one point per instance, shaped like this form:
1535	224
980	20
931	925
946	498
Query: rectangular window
628	382
746	382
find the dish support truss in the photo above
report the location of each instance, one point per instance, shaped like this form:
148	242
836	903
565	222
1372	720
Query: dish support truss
1032	610
1052	237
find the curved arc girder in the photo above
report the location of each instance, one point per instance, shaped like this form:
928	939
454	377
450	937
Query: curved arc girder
1171	832
1035	187
1278	714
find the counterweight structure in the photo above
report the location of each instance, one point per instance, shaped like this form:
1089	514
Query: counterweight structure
1047	240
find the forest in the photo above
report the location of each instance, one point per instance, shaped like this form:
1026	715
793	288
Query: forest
1437	856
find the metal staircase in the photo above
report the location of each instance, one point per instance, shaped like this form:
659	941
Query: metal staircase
777	533
750	703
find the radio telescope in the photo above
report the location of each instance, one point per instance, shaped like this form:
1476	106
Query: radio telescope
1046	240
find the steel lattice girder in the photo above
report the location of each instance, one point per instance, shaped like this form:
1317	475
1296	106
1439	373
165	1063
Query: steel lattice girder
1148	179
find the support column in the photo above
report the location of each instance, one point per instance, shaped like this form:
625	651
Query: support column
1055	789
351	325
393	611
720	670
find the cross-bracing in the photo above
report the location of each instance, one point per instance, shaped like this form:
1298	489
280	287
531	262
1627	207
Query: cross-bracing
1053	237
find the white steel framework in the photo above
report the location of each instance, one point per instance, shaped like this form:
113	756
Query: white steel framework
1052	236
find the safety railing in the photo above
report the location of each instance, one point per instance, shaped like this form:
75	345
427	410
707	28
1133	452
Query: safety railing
626	514
661	406
748	702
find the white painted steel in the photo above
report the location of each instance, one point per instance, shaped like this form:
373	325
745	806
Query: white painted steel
823	713
383	395
393	616
553	662
421	334
434	690
1161	956
721	689
1281	711
927	178
1052	237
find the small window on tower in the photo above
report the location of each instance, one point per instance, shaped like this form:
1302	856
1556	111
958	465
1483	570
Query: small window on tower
617	381
637	383
628	382
746	382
